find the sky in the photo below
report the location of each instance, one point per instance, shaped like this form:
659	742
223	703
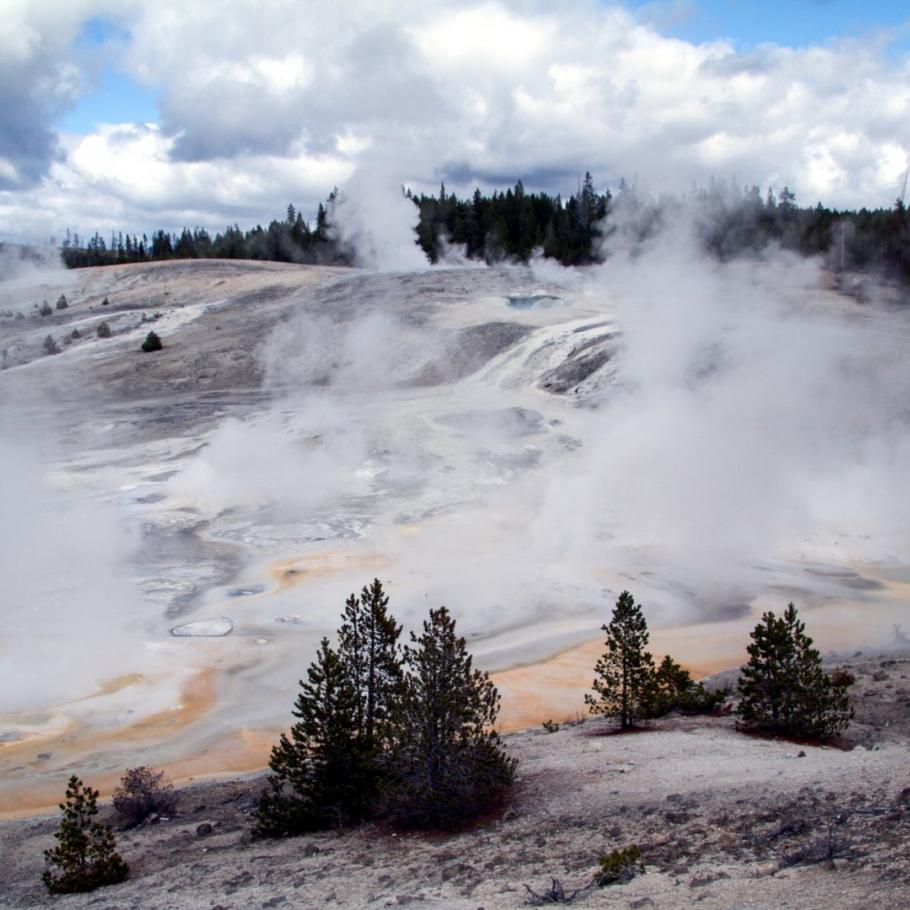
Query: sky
134	116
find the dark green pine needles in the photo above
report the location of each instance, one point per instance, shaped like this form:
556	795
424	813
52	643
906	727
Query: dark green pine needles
380	731
318	769
447	764
85	857
623	684
329	771
783	688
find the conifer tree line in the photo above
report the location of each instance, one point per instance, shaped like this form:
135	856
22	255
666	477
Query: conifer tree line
515	224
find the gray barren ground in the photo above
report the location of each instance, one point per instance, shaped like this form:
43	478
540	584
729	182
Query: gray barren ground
723	820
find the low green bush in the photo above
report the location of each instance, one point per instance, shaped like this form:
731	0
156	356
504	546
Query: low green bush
620	866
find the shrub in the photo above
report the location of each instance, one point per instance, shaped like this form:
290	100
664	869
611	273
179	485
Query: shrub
104	330
152	343
61	302
75	334
86	854
783	689
674	689
625	672
620	866
550	726
45	309
50	346
699	700
143	792
842	678
105	302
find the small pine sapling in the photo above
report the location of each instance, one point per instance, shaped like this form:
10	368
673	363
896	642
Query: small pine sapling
86	855
152	343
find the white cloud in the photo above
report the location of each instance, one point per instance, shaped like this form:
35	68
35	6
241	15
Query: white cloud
262	103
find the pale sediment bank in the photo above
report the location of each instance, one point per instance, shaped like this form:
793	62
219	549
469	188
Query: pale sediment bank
550	690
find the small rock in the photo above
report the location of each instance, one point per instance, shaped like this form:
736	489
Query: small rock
456	870
706	879
657	841
274	901
763	869
801	754
204	829
311	850
640	902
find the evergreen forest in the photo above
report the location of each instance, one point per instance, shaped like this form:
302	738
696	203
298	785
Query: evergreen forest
513	225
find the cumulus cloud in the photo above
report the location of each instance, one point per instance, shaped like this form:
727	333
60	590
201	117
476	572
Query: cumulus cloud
262	103
35	83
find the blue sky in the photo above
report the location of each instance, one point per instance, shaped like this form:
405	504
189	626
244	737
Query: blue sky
791	23
114	97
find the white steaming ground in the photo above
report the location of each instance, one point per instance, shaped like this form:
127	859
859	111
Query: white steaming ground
747	421
518	443
70	615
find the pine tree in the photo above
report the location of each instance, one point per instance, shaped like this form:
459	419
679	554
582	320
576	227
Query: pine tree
86	854
783	689
368	646
448	763
625	671
317	778
152	343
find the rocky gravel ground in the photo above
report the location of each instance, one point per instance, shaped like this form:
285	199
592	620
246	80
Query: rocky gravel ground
723	820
